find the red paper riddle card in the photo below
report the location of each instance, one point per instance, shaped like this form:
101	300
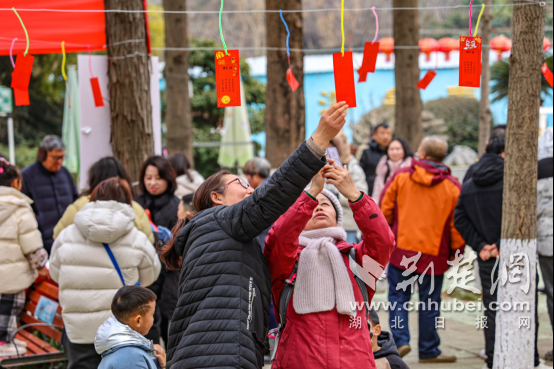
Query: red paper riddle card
344	78
371	50
547	73
291	79
426	80
96	92
22	72
227	77
470	61
21	97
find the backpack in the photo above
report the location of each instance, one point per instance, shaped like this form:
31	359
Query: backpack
286	295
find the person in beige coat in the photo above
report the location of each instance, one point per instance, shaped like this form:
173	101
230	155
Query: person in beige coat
88	277
21	255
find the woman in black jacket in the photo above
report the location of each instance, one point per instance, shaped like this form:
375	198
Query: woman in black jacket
157	185
222	314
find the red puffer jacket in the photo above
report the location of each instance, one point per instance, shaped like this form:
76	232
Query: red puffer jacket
324	340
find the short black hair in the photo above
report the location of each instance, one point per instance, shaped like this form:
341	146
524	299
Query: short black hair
496	146
374	317
498	131
380	125
131	300
107	167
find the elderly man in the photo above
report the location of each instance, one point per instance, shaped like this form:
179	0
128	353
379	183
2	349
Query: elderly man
419	204
50	186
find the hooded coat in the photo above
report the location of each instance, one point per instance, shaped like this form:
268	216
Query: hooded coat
123	348
419	204
186	186
19	236
478	215
324	340
222	315
388	352
87	277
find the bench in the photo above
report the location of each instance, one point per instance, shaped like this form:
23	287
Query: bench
39	351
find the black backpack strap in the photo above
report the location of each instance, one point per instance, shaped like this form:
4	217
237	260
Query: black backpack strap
286	295
359	281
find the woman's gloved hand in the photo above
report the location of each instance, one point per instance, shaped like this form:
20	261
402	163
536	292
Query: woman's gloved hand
164	234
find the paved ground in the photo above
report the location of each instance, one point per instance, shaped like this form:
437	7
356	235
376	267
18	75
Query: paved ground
461	338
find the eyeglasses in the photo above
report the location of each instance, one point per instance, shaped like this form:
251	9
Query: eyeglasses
57	158
241	181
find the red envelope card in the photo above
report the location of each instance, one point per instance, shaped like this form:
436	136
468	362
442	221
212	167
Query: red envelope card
227	77
21	97
547	73
371	50
470	61
22	72
98	101
344	78
422	85
293	83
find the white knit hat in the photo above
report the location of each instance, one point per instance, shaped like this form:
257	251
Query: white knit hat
336	205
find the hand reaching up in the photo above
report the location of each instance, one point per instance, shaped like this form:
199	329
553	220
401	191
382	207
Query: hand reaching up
330	124
341	179
318	183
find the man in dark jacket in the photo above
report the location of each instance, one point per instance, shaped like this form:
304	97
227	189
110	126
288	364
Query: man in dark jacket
369	155
499	131
384	349
478	218
50	186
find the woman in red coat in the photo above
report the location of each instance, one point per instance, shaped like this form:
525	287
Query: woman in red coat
321	330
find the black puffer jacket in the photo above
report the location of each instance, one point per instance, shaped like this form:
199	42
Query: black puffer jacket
369	158
389	352
52	193
222	314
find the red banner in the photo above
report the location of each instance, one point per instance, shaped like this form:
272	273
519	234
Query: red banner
227	76
426	80
344	78
371	50
547	73
470	61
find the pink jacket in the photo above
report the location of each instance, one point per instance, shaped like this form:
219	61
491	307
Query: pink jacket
381	172
324	340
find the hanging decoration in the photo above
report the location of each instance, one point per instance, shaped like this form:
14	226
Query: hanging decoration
546	44
371	50
386	46
344	71
293	83
470	57
94	83
428	46
547	73
430	75
447	45
227	73
501	44
22	71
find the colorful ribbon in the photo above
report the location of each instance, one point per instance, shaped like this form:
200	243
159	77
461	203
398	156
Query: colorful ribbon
90	62
221	29
24	29
288	32
342	25
479	20
376	24
63	61
470	15
11	52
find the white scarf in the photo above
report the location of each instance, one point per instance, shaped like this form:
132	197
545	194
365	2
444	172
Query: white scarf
322	281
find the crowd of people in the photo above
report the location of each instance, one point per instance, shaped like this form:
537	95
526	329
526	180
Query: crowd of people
205	268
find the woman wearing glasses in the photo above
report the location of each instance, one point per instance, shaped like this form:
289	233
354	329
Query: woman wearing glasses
222	314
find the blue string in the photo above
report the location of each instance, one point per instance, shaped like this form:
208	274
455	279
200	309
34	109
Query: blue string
288	32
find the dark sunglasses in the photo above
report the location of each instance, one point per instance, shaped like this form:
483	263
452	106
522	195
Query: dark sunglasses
241	181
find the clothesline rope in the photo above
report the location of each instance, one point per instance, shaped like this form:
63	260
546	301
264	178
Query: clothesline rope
262	11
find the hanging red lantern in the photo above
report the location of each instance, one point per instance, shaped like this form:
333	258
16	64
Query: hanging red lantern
546	44
386	46
447	45
428	46
501	44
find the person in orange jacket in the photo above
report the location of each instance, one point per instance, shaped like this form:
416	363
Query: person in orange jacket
418	203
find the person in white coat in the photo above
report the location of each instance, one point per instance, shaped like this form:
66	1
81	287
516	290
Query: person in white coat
188	180
92	259
21	255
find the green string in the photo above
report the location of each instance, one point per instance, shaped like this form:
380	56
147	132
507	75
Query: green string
25	29
221	29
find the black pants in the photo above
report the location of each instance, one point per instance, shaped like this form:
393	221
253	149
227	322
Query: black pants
80	356
485	273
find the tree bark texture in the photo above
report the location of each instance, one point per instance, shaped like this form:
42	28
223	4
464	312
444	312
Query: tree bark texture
519	212
178	110
406	72
129	85
485	115
285	110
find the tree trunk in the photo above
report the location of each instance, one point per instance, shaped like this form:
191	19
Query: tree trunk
406	72
129	85
519	213
178	110
485	115
284	115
